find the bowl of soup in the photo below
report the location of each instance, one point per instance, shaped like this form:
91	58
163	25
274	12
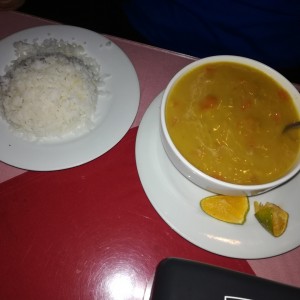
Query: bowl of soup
221	125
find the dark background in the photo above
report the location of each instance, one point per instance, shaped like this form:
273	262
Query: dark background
101	16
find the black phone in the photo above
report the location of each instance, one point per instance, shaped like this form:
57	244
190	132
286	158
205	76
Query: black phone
181	279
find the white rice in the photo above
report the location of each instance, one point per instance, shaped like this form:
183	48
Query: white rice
50	91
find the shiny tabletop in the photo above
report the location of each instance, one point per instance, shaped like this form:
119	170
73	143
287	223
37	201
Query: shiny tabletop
76	234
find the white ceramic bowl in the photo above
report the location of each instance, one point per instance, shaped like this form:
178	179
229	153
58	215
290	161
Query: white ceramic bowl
192	173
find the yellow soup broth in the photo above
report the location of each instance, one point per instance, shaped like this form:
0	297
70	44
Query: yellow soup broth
226	119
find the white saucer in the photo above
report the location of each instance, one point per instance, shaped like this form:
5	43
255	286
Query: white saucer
117	110
177	201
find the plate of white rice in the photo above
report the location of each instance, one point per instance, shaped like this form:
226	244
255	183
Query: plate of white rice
67	96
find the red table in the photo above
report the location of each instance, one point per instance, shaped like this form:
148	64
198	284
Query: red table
74	234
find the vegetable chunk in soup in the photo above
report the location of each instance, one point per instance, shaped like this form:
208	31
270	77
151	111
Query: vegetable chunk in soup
226	119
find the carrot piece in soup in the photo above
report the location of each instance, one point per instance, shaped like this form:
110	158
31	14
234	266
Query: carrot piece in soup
209	102
283	95
276	116
246	103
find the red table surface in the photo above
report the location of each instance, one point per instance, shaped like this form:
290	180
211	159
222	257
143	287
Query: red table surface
88	232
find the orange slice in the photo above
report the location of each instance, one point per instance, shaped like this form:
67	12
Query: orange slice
230	209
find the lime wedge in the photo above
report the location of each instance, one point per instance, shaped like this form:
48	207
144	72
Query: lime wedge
272	217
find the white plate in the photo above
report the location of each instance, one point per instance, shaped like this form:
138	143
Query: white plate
120	104
177	201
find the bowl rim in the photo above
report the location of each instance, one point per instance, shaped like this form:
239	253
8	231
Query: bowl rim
283	81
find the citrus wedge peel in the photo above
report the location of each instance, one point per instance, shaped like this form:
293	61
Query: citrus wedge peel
271	217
